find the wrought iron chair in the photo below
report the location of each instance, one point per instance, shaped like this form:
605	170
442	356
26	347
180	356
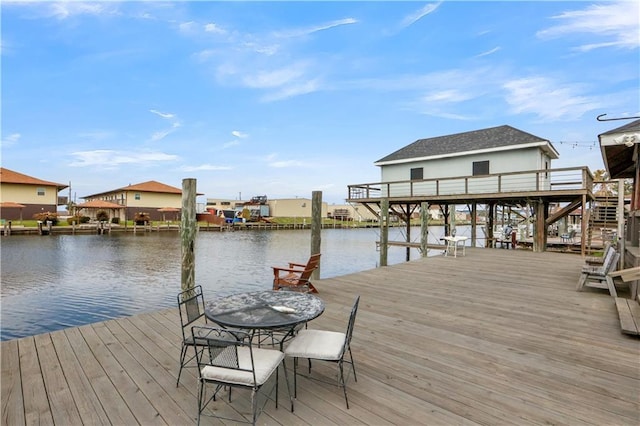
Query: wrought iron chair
324	345
228	359
191	306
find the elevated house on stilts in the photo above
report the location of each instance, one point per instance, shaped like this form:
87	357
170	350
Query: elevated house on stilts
501	168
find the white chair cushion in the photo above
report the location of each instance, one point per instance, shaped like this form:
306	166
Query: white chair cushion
265	361
316	344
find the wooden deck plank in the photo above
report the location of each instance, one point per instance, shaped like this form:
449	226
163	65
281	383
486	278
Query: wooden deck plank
133	360
61	401
495	337
11	385
86	400
36	404
116	409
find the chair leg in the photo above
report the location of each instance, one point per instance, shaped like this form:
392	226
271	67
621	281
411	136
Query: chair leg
582	281
254	406
286	379
183	354
353	366
295	377
200	397
277	385
342	383
611	286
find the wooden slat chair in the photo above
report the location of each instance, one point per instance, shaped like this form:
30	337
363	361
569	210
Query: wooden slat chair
598	260
296	277
598	276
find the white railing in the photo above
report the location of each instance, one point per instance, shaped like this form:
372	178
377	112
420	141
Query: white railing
500	183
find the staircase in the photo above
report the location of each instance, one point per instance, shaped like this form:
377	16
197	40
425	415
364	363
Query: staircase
602	222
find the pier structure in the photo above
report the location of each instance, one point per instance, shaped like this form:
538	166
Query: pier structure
523	197
470	344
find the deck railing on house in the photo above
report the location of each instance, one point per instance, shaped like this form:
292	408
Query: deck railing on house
575	178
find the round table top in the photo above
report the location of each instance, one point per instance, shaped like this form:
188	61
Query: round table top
264	309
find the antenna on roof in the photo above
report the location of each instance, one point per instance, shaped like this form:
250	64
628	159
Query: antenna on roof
599	118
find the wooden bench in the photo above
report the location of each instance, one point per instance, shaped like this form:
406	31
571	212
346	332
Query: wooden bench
629	309
629	313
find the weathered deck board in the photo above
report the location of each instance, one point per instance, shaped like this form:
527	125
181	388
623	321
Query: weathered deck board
495	337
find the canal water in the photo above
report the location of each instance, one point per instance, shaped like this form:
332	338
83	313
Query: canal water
59	281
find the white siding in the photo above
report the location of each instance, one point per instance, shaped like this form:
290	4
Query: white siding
529	159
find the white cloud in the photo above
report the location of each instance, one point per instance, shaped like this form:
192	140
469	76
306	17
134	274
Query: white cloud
239	134
419	14
161	134
488	52
67	9
204	167
275	78
162	114
451	95
231	144
616	22
292	90
109	159
10	140
286	164
321	27
214	28
547	99
187	27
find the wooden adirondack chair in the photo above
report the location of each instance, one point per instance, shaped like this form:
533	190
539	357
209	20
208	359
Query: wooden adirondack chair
296	277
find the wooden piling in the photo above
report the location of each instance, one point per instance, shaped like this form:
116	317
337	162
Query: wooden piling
188	233
384	230
316	228
424	228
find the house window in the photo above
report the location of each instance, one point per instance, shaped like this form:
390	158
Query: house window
137	196
546	168
417	173
480	168
41	192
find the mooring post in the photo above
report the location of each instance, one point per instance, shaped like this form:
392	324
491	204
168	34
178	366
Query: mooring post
424	229
316	228
384	230
188	233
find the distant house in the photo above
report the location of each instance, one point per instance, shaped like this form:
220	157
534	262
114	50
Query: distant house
22	196
148	197
477	153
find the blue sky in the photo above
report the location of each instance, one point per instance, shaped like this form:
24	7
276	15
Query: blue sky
285	98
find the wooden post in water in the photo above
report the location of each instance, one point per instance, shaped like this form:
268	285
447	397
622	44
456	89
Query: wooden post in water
316	228
188	233
384	230
424	228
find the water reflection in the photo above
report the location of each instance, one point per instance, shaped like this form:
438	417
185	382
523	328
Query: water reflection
53	282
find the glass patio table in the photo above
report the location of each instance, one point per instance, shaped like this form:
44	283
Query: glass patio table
271	311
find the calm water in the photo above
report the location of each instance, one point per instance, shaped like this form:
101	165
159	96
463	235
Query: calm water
53	282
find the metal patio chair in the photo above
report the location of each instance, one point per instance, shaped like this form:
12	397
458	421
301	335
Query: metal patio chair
227	360
324	345
191	306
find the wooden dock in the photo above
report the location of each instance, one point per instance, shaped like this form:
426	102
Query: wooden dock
494	337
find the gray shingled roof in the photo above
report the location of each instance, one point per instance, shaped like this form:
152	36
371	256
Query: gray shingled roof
494	137
634	126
